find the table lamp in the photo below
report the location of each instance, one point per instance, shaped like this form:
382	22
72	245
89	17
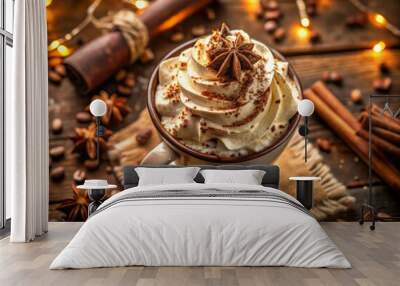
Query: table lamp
305	108
98	108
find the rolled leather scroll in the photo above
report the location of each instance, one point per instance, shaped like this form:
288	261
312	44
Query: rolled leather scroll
95	62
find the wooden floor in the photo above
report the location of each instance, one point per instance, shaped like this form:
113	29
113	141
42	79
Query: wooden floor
375	257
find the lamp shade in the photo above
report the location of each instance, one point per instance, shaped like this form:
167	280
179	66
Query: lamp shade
305	107
98	107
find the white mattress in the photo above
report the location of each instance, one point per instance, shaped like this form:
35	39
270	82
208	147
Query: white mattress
204	231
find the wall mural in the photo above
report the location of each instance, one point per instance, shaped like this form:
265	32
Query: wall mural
164	105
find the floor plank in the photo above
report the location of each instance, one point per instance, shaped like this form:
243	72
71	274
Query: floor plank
375	257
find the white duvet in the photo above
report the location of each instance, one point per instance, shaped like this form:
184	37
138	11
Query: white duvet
200	231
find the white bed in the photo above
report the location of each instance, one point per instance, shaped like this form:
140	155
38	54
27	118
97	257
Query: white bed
139	227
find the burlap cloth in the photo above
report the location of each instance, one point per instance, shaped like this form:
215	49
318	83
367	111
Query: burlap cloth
331	198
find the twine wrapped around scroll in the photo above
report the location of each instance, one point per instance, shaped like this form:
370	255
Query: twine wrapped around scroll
95	62
131	27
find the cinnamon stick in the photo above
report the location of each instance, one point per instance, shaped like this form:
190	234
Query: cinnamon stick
334	103
385	146
387	135
375	109
379	121
343	129
95	62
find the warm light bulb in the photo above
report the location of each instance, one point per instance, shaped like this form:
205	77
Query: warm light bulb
305	107
63	50
141	4
380	20
48	2
379	47
54	45
98	107
305	22
302	33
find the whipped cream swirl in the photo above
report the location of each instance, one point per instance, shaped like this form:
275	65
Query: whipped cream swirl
221	116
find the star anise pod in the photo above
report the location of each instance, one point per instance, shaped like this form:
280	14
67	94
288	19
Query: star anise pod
224	30
85	141
117	107
77	207
232	57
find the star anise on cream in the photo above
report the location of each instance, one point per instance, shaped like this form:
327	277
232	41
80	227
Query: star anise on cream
76	208
117	107
85	141
224	30
232	57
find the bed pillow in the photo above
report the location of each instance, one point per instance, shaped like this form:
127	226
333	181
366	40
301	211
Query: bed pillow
166	176
248	177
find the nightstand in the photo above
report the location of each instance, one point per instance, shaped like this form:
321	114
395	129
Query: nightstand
304	190
96	191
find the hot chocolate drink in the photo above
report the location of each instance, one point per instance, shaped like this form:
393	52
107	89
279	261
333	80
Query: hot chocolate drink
226	96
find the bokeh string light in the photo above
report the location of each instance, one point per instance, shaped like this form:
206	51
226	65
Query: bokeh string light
376	18
379	47
302	33
304	20
59	44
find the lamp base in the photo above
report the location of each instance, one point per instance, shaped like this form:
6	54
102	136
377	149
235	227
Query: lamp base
96	196
305	193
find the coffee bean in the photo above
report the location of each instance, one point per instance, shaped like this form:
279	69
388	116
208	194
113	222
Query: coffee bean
324	145
387	83
384	68
260	13
177	37
57	152
326	76
79	176
269	4
79	42
53	62
356	21
272	5
130	81
54	77
351	21
335	78
60	69
315	36
382	84
57	126
83	117
124	90
279	34
120	76
147	56
356	96
361	19
211	15
143	136
272	15
311	11
270	26
57	174
198	31
109	169
91	164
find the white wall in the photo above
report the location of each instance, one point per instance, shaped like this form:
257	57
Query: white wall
9	67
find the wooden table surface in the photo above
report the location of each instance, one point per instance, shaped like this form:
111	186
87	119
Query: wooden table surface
342	49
